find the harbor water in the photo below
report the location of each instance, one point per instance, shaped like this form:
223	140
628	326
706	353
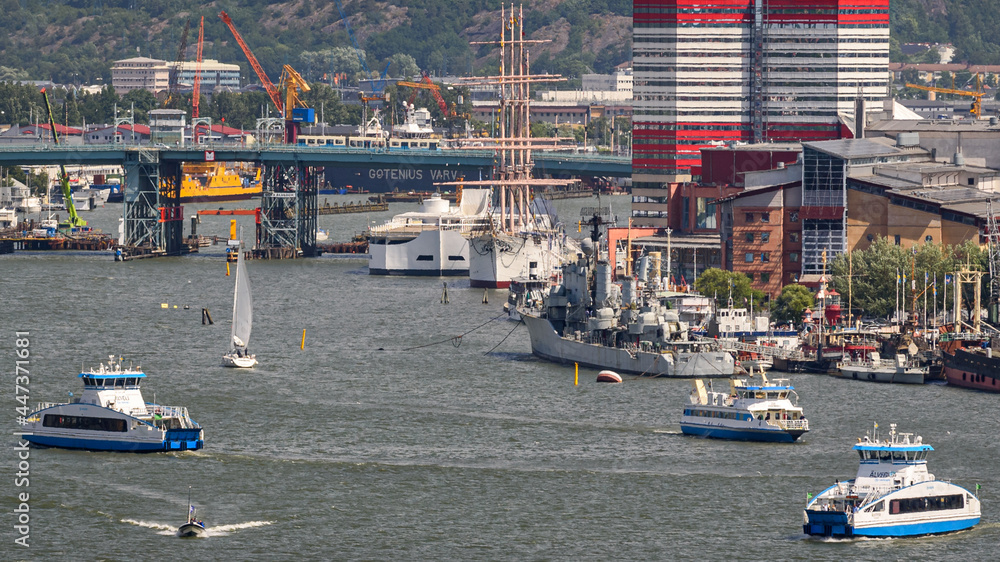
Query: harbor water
411	429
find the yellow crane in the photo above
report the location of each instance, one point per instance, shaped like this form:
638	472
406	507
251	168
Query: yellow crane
294	83
977	105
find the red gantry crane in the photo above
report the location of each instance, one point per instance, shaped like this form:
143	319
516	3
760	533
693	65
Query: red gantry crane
196	92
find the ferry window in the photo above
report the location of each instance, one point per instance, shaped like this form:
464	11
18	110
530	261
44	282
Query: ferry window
119	382
425	257
877	507
898	456
84	422
456	258
885	456
933	503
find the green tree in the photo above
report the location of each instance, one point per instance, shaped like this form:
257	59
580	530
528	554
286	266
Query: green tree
791	303
403	66
873	279
541	129
717	283
143	101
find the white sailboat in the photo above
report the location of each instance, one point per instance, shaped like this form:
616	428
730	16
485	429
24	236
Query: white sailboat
238	355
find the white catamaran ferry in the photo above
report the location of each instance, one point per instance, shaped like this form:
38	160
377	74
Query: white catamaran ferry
111	415
893	495
747	412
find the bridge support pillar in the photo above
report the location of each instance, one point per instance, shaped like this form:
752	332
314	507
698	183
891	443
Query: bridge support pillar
153	217
286	225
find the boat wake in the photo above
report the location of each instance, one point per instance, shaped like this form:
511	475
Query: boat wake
223	530
668	431
160	528
219	531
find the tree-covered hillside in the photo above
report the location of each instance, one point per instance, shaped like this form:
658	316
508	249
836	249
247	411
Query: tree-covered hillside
75	41
970	25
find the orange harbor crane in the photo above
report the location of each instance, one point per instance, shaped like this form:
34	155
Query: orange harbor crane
272	90
426	84
290	79
196	92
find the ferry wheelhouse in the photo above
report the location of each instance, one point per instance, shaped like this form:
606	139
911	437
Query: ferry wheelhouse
893	495
747	412
111	415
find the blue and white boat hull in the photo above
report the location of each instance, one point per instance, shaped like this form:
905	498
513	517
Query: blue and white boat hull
767	434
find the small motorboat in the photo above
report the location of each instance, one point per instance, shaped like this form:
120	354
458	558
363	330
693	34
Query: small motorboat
194	527
608	376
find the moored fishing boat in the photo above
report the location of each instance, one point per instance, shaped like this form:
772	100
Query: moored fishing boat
747	412
876	369
893	495
111	415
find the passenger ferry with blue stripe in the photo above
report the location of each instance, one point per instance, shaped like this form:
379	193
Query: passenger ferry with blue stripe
111	415
893	495
747	412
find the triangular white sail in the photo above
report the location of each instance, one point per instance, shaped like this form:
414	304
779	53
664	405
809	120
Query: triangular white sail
242	307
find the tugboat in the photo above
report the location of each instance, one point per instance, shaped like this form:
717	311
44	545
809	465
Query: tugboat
747	412
892	495
111	415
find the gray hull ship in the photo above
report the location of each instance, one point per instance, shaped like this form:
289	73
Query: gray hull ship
623	328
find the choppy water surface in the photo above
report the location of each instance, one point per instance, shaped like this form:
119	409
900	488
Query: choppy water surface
385	438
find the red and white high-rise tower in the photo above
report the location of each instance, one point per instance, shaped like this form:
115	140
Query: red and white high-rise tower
714	71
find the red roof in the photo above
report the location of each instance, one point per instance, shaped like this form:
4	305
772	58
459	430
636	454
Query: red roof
141	129
61	129
222	129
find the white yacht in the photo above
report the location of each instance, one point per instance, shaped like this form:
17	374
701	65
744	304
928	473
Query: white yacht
433	241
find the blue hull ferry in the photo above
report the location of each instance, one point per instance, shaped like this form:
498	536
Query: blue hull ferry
892	495
111	415
748	412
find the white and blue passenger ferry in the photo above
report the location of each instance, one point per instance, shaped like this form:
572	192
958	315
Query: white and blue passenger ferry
111	415
893	495
747	412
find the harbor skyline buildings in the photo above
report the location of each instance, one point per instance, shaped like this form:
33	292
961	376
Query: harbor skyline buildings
712	72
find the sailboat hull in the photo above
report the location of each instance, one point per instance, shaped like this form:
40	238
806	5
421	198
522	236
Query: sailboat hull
235	361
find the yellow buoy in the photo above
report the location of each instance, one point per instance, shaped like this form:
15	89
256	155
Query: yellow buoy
227	268
303	344
164	305
576	374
